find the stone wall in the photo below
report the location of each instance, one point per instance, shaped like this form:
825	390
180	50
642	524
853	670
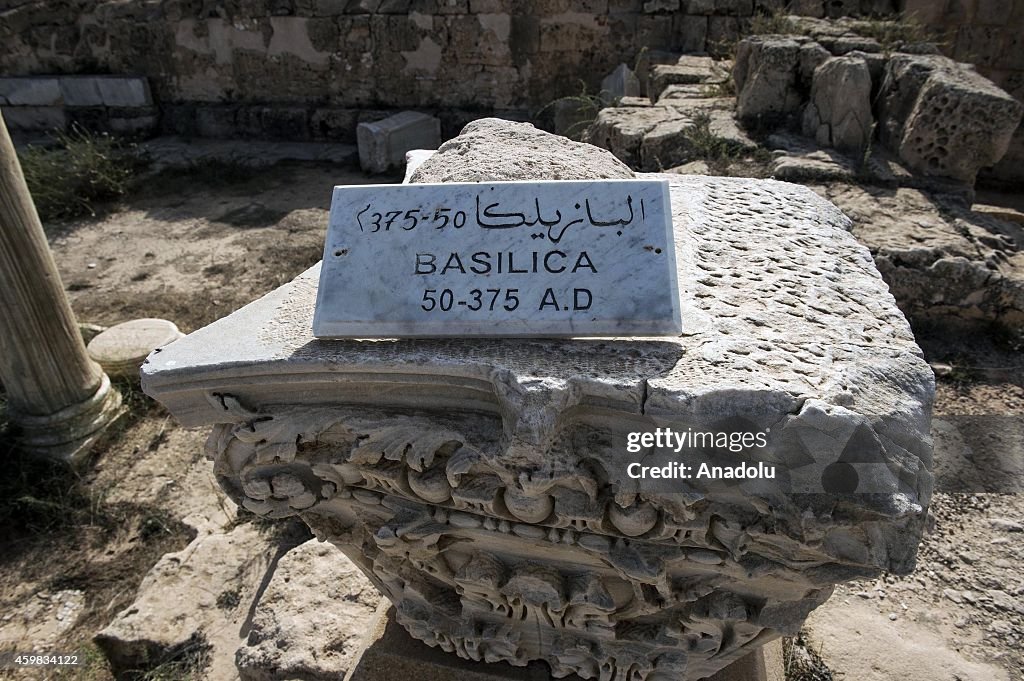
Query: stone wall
990	35
313	69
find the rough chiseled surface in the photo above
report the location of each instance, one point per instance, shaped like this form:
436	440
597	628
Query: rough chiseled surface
311	618
943	262
766	75
495	149
479	483
839	111
943	118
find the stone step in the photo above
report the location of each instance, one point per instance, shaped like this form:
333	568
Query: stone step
658	137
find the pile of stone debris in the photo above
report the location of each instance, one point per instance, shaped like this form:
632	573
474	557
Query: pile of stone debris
895	134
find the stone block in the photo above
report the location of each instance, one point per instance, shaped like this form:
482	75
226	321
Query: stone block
621	82
766	76
81	90
812	55
486	145
30	92
850	43
679	140
839	112
383	143
942	118
647	60
35	118
221	574
124	92
655	6
687	71
621	130
311	620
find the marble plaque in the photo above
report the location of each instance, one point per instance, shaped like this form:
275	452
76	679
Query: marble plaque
499	259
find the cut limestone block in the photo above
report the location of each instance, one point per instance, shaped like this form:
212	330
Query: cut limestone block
383	144
689	70
40	91
677	141
81	91
124	92
198	598
673	132
122	349
496	146
621	82
944	119
766	75
621	130
311	619
483	485
839	113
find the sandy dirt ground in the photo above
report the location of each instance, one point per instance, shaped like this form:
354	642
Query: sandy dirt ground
194	248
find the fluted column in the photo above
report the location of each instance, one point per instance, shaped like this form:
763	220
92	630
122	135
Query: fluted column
59	400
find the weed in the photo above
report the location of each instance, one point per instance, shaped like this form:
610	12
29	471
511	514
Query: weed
802	663
580	111
229	599
892	34
82	169
777	22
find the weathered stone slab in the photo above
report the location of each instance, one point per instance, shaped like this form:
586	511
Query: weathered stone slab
492	149
81	91
839	113
688	71
221	573
766	75
499	259
30	92
621	130
383	144
310	621
124	92
676	141
944	119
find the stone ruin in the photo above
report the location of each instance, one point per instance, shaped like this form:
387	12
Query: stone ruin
477	482
939	117
933	122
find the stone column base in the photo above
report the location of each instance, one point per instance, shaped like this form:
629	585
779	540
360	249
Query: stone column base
388	652
69	434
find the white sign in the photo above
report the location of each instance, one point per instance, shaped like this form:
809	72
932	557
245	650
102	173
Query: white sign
499	259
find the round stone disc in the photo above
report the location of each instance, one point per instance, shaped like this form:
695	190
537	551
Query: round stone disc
122	349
